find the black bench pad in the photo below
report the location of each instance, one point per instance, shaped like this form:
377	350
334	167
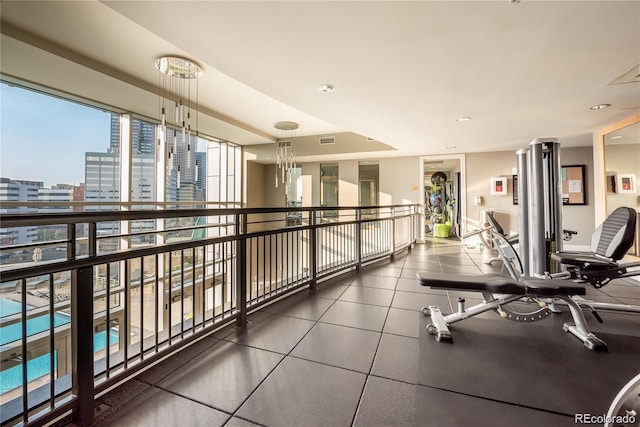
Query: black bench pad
585	260
496	283
552	287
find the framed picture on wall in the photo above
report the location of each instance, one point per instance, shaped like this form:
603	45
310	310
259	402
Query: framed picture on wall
499	186
573	185
626	183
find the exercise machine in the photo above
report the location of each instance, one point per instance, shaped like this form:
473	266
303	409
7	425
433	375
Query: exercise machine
609	243
506	295
625	408
533	282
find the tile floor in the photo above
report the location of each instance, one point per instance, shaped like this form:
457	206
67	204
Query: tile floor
346	355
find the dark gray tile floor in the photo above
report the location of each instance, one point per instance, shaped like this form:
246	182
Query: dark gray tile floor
350	354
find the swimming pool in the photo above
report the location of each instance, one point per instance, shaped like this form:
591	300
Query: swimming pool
9	307
37	367
35	325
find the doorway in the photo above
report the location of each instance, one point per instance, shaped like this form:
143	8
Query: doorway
443	195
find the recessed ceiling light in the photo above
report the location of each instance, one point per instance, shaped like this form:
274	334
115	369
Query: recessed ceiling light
616	137
600	106
464	119
326	88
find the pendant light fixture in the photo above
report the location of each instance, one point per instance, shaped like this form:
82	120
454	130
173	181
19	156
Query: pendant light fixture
178	83
284	153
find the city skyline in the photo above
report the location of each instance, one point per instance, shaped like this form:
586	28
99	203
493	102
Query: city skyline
56	134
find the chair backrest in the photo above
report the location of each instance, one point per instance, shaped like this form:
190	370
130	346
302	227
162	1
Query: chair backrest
615	236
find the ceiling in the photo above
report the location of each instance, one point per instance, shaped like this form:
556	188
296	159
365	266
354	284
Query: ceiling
627	135
403	72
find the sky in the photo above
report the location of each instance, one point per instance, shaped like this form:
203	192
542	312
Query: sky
43	138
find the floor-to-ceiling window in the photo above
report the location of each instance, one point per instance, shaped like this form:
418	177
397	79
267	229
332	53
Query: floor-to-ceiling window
56	156
69	155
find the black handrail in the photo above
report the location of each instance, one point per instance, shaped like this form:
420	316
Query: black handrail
348	237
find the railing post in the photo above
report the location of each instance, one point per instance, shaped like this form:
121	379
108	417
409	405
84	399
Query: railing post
313	243
93	239
82	385
393	234
71	245
358	239
241	272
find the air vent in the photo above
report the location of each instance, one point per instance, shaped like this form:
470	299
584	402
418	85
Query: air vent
631	76
325	140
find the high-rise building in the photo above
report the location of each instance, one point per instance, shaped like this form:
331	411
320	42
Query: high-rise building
59	193
102	184
78	196
143	137
183	155
58	197
102	178
18	191
201	178
114	138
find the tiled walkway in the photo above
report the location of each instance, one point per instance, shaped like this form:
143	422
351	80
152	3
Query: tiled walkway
348	354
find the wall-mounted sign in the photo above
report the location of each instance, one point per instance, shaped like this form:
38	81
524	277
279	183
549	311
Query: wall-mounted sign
573	187
499	186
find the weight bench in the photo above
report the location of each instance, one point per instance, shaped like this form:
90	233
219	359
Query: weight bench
609	244
499	291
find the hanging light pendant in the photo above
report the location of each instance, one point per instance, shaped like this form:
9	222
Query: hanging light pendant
178	83
284	153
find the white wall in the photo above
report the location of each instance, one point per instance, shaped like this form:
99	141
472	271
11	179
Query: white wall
481	167
398	183
578	217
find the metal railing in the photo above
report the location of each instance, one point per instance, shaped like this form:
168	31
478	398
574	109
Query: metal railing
87	311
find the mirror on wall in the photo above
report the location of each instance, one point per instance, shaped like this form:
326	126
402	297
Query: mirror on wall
622	169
